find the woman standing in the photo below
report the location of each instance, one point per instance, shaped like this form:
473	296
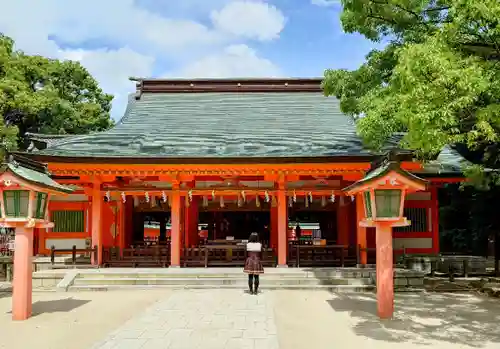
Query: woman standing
253	265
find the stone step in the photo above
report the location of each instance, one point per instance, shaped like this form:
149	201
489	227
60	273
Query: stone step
129	280
211	276
331	288
238	273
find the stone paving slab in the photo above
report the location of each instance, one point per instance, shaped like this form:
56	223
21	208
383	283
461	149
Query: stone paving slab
193	319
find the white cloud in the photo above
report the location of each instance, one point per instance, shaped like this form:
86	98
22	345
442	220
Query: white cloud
139	37
112	68
325	2
233	61
256	20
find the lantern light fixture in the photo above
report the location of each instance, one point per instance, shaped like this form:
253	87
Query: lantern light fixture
383	192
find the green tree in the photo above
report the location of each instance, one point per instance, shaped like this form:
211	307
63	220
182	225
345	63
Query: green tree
44	95
437	79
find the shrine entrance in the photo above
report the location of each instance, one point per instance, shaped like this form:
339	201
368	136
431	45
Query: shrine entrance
235	225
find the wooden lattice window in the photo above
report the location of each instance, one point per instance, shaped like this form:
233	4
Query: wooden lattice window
41	205
16	203
68	221
418	218
368	204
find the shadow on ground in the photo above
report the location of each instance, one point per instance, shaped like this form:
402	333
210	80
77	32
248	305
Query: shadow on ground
425	318
56	306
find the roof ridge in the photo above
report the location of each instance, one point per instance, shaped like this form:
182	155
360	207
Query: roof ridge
245	85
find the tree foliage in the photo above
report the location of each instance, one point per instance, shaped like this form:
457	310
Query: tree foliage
437	79
44	95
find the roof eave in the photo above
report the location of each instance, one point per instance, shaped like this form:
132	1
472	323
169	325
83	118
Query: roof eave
199	160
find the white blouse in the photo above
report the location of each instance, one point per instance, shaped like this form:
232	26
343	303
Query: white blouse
254	247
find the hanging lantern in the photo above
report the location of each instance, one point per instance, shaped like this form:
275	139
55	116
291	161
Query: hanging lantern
332	197
323	201
163	197
190	195
124	197
294	196
222	201
205	201
274	202
257	201
266	194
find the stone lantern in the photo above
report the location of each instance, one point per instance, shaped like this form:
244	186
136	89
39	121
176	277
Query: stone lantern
383	191
25	188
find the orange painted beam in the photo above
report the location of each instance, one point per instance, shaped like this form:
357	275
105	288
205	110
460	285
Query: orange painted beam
411	165
188	171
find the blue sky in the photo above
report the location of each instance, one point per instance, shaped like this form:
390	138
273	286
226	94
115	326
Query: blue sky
115	39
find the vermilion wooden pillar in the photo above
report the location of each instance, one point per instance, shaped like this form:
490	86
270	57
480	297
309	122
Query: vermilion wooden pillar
282	227
22	284
385	271
361	240
96	222
175	237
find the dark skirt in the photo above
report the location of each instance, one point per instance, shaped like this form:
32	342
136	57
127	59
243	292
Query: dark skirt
253	264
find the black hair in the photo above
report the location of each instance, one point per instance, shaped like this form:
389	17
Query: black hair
254	237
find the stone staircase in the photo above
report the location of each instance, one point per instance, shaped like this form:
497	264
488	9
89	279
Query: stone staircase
332	279
338	280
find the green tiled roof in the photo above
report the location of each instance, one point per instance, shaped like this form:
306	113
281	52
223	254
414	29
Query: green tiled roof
449	161
34	173
221	124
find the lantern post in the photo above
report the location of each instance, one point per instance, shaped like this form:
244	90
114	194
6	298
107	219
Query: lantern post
25	189
383	191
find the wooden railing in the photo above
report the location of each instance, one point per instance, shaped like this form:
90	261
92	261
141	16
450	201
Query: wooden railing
74	251
223	255
321	256
142	256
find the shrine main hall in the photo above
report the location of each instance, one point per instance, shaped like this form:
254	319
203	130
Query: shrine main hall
194	166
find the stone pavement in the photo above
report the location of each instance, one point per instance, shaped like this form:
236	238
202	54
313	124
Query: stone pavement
192	319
